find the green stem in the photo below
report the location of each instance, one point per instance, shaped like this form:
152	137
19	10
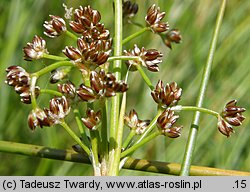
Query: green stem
32	91
138	145
51	92
75	137
80	127
194	108
115	102
94	138
150	127
134	35
52	67
104	130
187	160
128	139
54	57
71	35
145	77
123	57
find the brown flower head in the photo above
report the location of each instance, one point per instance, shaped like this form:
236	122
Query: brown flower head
67	89
25	94
153	19
16	75
35	49
38	117
172	36
87	22
102	85
55	27
224	127
165	124
59	109
150	58
89	55
92	120
168	95
129	9
233	114
133	122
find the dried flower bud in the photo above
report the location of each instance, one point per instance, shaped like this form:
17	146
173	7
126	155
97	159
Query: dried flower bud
153	19
165	124
58	75
173	36
38	117
150	58
133	122
55	27
92	120
224	127
233	114
59	109
68	89
35	49
25	94
168	95
86	93
16	75
129	9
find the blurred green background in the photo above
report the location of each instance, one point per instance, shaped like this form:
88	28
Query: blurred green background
20	20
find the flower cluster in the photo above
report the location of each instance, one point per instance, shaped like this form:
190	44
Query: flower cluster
35	49
154	20
58	110
172	36
102	85
55	27
89	55
166	96
18	78
92	120
165	124
134	123
67	89
150	58
129	9
230	116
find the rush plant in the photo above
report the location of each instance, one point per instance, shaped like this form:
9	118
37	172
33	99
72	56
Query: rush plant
92	85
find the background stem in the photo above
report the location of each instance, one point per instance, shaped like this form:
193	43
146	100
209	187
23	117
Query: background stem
186	163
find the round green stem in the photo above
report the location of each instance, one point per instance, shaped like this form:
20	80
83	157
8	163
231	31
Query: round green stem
134	35
189	151
71	35
123	57
145	77
75	137
51	92
52	67
80	127
32	91
128	139
194	108
54	57
138	145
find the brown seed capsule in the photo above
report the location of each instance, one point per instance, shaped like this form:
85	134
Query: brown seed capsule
150	58
129	9
133	122
153	19
168	95
16	75
86	93
92	120
38	117
173	36
55	27
35	49
224	127
59	109
68	89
